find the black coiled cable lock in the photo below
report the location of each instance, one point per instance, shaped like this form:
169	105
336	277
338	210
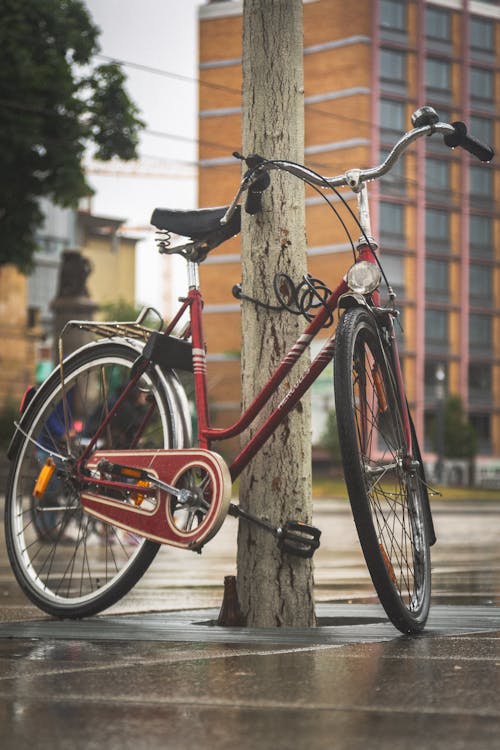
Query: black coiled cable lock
303	298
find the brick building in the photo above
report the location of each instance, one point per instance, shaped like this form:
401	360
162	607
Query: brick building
26	317
367	67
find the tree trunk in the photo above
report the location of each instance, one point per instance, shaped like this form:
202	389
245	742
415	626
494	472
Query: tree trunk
274	587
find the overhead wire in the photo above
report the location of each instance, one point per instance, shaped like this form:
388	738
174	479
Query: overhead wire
21	106
218	86
408	182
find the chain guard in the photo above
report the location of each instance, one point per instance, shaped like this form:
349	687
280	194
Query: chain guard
159	524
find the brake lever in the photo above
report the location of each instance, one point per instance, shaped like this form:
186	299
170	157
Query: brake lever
249	178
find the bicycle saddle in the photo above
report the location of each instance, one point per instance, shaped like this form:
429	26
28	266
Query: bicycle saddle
198	224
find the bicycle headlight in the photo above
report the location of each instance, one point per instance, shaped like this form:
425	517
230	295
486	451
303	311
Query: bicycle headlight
363	277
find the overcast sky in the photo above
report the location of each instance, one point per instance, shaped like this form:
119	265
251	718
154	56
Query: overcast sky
159	34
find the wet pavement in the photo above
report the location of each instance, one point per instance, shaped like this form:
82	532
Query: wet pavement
154	671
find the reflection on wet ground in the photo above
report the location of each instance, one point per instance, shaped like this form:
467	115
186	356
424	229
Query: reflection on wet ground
465	563
466	559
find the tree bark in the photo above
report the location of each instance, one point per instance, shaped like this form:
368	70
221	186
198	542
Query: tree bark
274	587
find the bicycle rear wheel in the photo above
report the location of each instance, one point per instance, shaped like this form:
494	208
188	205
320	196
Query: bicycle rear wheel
69	564
386	490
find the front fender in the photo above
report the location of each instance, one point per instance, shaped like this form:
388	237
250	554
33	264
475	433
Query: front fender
352	299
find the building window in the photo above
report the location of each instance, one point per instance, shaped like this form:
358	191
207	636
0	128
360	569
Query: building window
436	330
392	116
437	229
482	34
481	85
480	285
480	382
391	221
393	15
481	128
394	181
394	269
437	75
481	184
392	65
480	329
437	180
437	24
482	427
436	280
480	236
52	246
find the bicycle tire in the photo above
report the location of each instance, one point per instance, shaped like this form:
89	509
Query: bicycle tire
78	566
387	494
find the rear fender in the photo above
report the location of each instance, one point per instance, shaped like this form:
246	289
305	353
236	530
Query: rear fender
169	381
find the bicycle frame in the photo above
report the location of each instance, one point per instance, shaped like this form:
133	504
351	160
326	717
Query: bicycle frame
161	490
193	304
207	434
295	393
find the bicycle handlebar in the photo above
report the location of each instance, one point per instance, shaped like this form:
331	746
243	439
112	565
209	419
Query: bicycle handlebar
461	138
254	181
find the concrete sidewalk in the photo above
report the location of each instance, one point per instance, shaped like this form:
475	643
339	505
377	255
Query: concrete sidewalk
137	678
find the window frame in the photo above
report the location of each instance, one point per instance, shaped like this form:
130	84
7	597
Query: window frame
430	81
437	13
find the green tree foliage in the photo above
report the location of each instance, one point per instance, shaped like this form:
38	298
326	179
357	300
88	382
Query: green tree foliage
53	102
126	312
460	439
120	310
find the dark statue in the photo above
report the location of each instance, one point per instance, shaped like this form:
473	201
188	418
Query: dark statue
74	272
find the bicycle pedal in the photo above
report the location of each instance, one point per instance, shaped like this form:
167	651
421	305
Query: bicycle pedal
298	538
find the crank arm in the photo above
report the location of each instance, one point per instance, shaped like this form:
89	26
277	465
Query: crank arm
140	475
237	512
183	496
295	537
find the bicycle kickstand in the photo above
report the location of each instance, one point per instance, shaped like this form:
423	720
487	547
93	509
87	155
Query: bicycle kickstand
295	537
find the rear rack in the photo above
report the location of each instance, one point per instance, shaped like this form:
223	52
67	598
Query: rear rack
112	329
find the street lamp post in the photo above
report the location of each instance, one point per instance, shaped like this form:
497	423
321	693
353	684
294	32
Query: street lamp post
440	376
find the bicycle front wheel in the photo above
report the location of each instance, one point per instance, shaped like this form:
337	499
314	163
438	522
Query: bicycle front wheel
69	564
386	489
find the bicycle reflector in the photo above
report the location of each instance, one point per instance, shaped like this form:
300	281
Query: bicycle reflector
44	478
363	277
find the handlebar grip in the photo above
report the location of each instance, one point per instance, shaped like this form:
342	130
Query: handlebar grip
253	203
461	138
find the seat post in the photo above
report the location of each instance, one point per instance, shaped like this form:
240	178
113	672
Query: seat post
193	275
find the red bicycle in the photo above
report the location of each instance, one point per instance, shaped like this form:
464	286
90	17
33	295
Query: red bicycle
102	468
